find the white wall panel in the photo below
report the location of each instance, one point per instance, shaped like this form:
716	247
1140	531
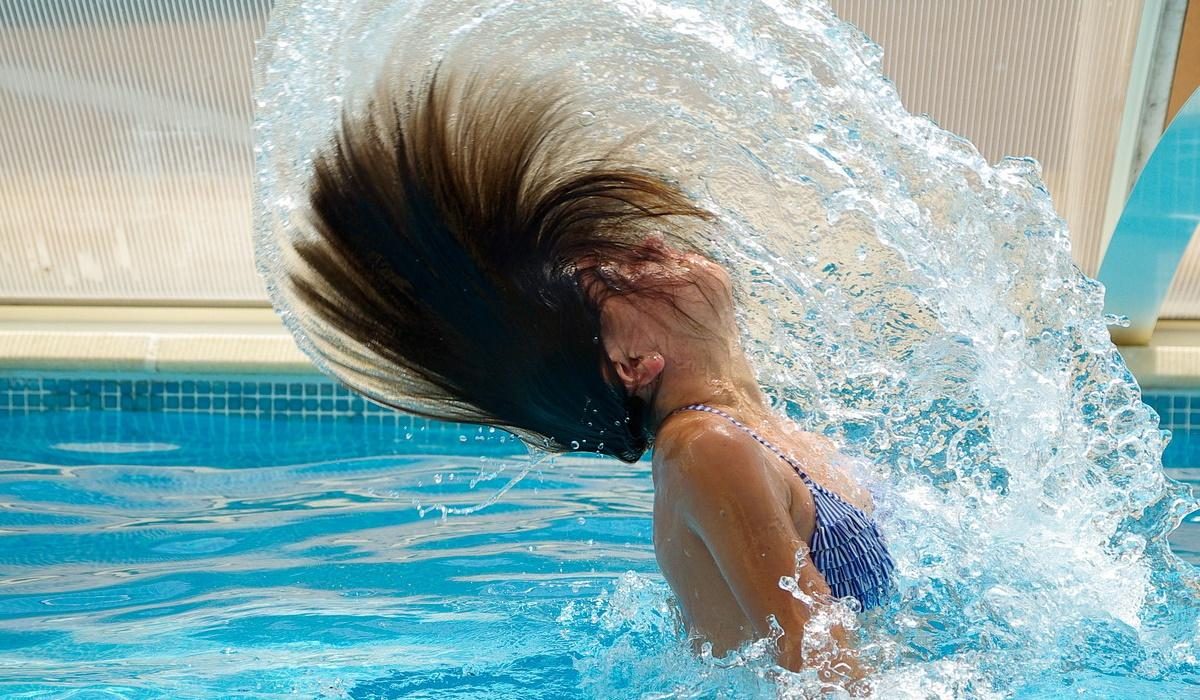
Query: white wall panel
125	162
1183	298
125	151
1041	78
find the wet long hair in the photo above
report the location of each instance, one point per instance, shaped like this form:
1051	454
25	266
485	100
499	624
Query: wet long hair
448	224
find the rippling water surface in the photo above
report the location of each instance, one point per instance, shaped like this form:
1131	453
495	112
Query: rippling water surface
185	556
157	555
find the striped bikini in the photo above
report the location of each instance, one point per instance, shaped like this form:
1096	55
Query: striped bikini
847	548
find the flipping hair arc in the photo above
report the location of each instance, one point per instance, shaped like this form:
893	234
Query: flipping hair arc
446	226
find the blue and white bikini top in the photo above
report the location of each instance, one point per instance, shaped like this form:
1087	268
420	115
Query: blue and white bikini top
847	548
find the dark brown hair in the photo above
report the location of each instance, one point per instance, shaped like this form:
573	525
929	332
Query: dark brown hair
448	223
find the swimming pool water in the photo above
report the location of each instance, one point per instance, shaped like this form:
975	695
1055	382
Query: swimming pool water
190	555
147	555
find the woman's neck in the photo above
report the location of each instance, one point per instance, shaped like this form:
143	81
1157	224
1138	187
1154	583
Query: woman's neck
724	380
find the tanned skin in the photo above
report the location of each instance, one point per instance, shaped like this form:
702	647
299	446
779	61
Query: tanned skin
730	517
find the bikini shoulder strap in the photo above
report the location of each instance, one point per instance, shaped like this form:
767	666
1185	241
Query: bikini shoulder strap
750	431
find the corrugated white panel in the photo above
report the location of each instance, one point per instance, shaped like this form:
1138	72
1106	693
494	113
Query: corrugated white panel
125	150
1019	77
125	162
1183	298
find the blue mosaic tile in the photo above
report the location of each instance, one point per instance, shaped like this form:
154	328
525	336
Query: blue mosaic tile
327	400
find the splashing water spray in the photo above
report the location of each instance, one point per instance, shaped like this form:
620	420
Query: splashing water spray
898	294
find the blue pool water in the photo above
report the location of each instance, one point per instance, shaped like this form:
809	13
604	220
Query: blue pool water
187	555
151	554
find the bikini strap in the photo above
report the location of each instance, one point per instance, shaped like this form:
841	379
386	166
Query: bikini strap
763	441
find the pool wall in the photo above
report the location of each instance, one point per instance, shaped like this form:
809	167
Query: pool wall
313	396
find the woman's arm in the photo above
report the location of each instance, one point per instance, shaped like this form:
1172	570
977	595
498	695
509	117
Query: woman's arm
742	512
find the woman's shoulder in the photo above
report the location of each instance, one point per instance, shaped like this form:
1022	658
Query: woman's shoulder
696	433
704	444
707	466
697	438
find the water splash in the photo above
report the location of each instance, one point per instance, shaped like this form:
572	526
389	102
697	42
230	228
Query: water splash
898	293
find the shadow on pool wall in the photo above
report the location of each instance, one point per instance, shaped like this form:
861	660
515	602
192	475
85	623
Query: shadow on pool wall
258	420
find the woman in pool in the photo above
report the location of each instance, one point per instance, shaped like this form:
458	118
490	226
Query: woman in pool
463	234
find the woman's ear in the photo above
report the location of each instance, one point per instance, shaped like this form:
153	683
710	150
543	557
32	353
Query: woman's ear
639	371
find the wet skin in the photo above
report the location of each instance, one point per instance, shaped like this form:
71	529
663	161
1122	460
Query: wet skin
730	517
